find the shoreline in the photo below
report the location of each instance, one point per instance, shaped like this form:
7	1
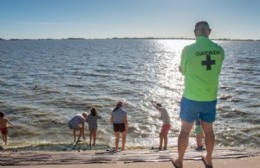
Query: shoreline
128	157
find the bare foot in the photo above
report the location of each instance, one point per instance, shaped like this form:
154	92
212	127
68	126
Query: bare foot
208	164
176	163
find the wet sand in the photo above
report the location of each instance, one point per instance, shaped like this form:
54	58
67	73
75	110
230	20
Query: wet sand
222	158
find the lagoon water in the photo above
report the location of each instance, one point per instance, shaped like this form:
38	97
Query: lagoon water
43	83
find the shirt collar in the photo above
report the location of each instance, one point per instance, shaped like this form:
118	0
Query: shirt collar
200	38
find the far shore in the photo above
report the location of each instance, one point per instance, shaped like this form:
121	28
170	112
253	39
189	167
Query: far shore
130	38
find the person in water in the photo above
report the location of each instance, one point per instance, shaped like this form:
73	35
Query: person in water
199	136
92	125
166	125
3	127
120	124
77	123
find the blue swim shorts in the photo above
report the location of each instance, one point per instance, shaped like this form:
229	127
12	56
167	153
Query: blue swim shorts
191	110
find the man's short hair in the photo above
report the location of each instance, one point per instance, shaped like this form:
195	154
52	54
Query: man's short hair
204	23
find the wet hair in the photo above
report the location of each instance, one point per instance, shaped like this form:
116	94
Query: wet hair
2	114
93	111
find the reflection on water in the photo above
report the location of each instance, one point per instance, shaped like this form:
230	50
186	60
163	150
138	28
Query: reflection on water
44	83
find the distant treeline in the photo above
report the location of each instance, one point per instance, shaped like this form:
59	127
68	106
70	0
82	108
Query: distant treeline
135	38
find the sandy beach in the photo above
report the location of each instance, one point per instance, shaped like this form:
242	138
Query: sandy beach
223	158
251	162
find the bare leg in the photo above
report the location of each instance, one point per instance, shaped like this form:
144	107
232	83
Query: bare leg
161	141
90	137
117	139
165	141
199	140
94	137
123	140
183	141
5	139
74	134
80	133
209	140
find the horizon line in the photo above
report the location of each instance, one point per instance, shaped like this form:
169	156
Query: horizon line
114	38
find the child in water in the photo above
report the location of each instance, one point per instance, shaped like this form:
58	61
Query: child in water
166	124
120	124
199	135
3	127
77	122
92	125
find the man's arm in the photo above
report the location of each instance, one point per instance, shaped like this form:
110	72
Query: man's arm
180	70
182	67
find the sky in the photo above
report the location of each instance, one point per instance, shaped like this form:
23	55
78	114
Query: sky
34	19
